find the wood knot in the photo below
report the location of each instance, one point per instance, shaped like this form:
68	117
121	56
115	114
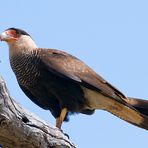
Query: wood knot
25	119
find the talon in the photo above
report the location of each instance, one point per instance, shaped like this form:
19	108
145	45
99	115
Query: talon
66	135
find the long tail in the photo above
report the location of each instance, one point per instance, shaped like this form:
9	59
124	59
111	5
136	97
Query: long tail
139	104
126	111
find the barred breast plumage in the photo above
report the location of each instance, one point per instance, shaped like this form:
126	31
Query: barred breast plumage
26	67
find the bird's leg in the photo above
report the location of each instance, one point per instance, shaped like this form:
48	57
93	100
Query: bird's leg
60	119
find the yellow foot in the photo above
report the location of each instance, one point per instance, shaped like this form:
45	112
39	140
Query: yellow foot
60	119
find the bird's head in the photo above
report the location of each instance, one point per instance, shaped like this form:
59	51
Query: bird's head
17	39
12	35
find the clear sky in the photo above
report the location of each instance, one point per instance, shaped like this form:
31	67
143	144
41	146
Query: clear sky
111	36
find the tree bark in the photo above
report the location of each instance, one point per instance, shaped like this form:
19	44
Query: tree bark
21	129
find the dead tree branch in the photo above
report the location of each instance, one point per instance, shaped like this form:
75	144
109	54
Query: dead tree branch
21	129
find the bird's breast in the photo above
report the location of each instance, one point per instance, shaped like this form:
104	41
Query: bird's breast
26	69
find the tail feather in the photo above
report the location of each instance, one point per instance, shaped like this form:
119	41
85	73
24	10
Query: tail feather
139	104
122	110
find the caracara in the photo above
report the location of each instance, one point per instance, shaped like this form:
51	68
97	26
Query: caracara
61	83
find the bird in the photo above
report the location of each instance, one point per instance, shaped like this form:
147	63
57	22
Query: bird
61	83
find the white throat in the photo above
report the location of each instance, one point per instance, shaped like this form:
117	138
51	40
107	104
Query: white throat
23	44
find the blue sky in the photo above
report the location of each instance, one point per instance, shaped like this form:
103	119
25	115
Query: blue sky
110	36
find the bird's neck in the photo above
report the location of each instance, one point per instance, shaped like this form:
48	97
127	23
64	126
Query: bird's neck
24	45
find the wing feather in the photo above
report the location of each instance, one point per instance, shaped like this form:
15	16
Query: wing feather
69	67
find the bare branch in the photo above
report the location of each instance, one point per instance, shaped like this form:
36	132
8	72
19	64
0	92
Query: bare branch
21	129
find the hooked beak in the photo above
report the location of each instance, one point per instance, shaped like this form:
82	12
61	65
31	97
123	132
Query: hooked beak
6	37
